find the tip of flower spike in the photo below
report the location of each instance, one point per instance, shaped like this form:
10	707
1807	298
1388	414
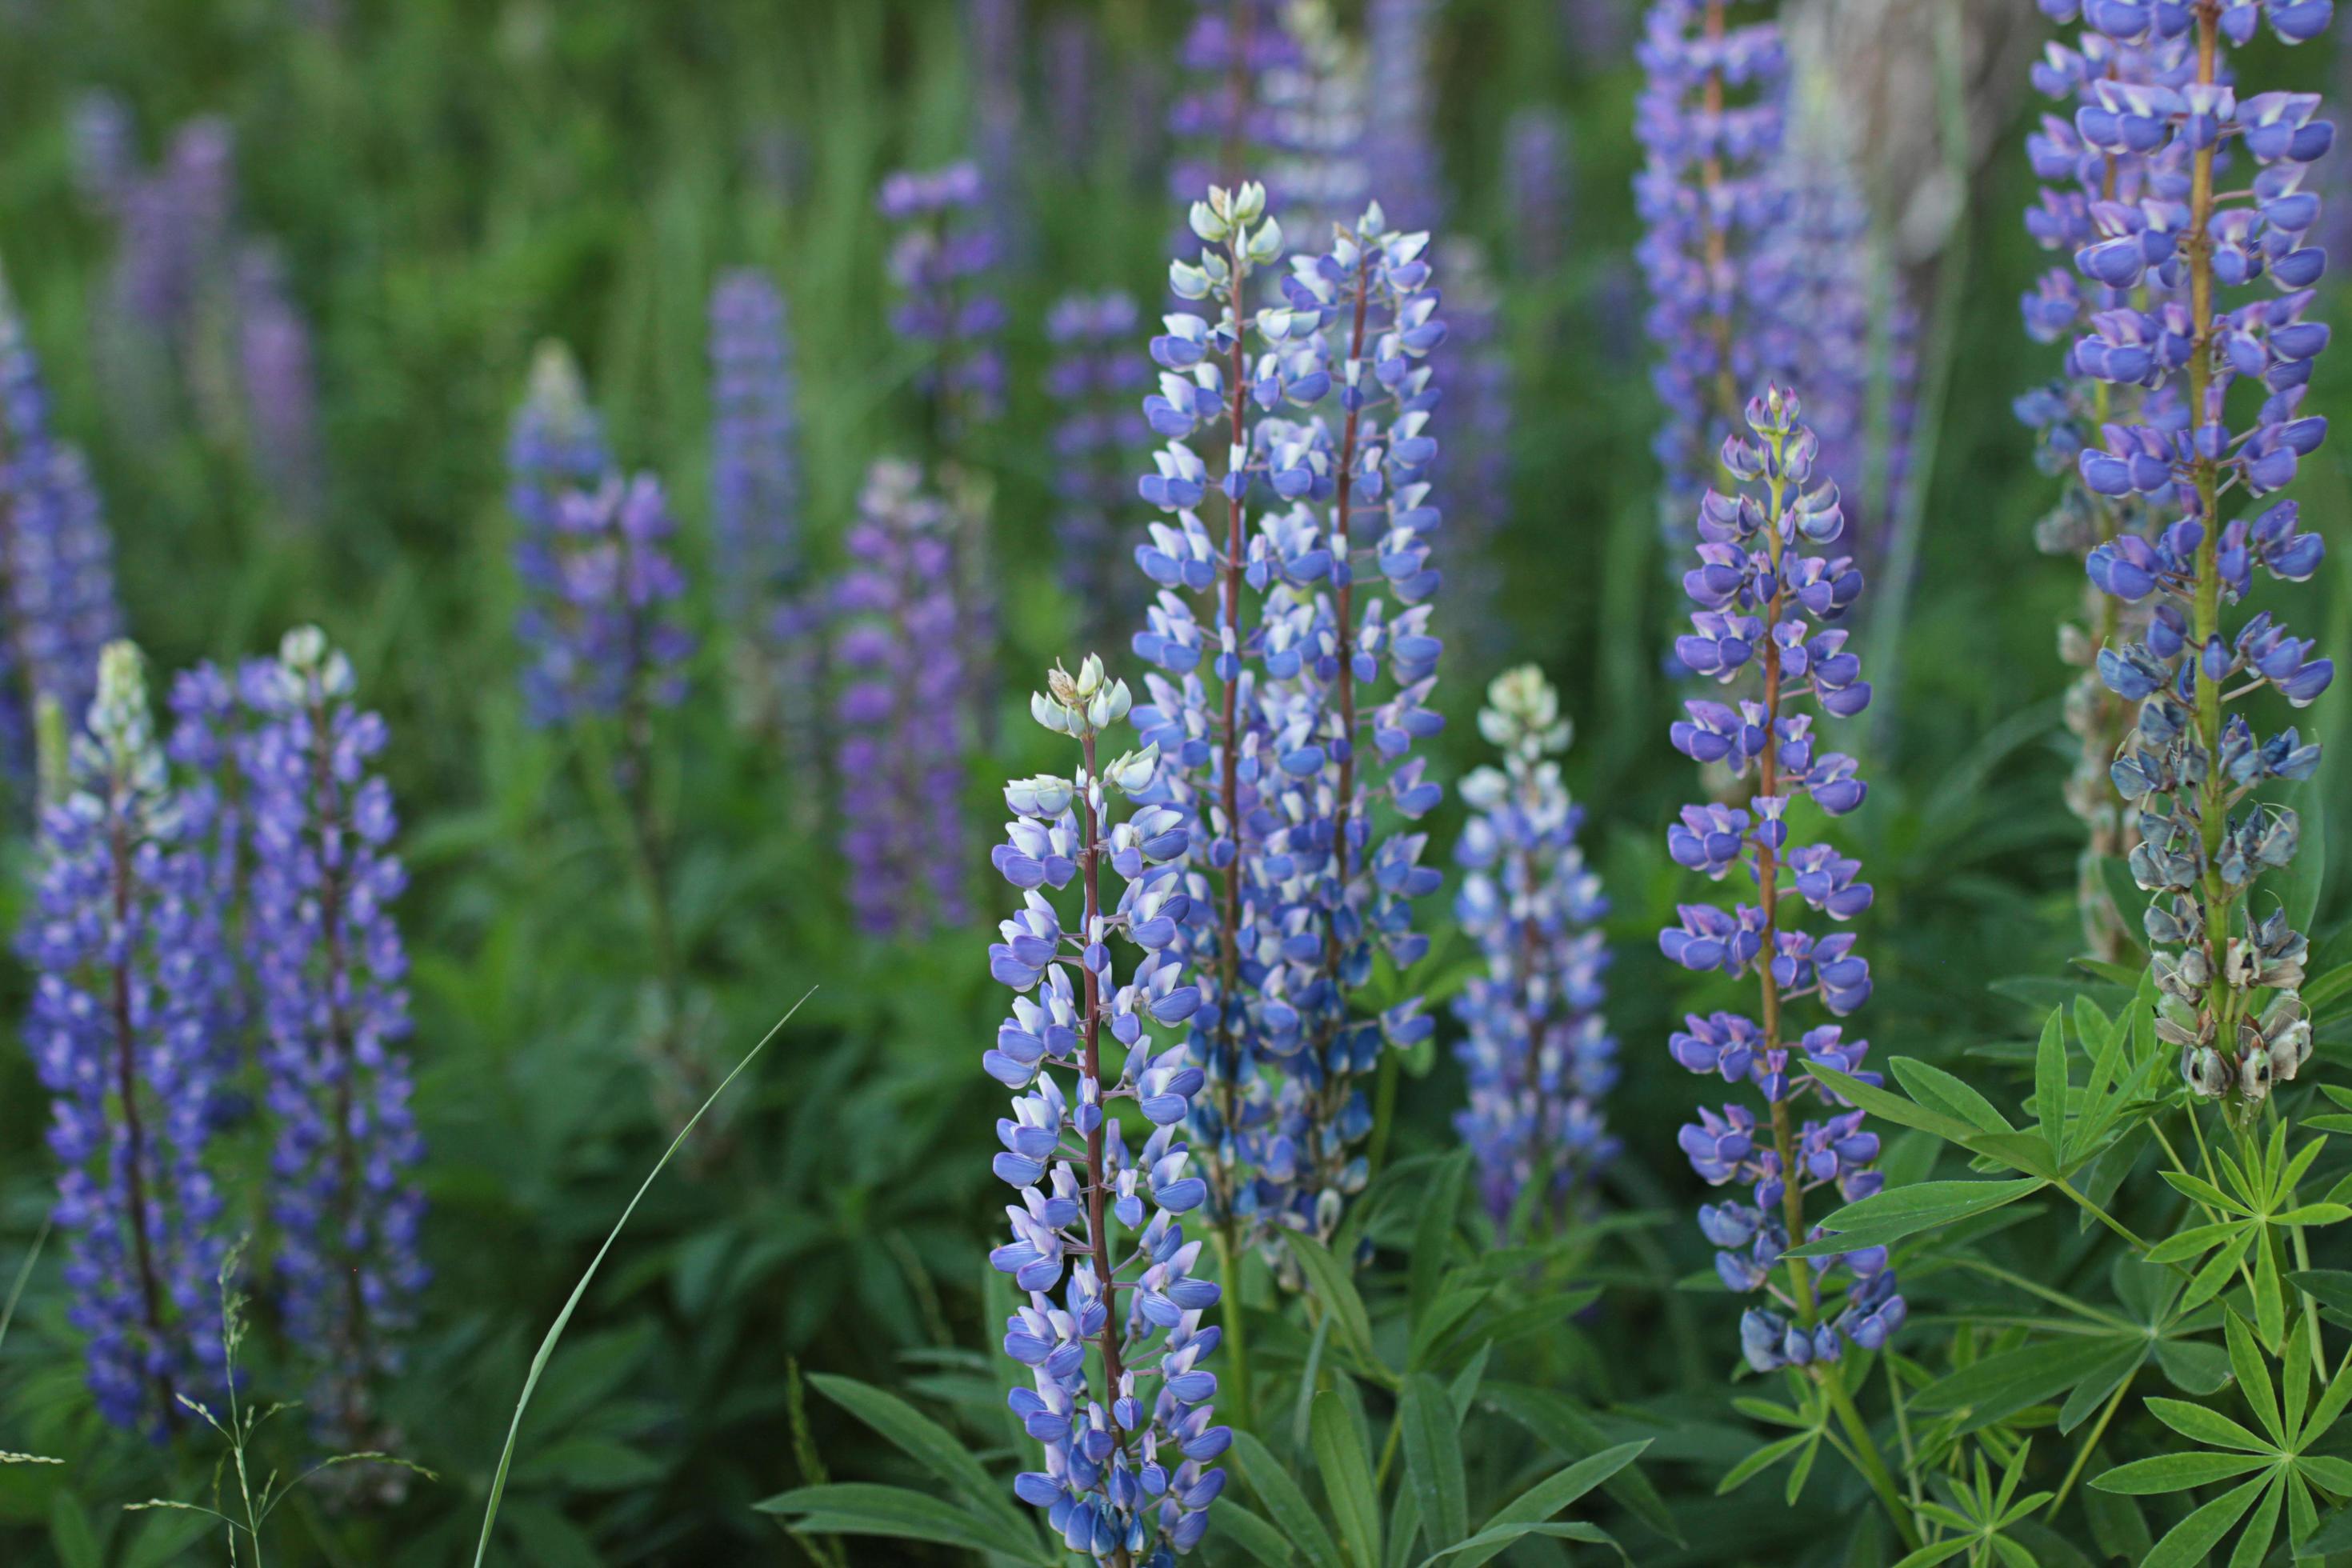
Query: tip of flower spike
555	381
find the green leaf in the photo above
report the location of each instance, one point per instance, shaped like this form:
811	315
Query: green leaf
2194	1421
2099	1384
2204	1192
590	1464
1464	1391
854	1508
2194	1242
1433	1461
1539	1502
2270	1301
2194	1366
1248	1532
2253	1375
1330	1282
1999	1386
1270	1479
1505	1535
1893	1107
71	1533
2050	1085
2255	1545
1932	1086
2175	1472
1433	1235
926	1443
1941	1552
2218	1271
2317	994
2117	1526
1554	1420
2332	1474
1431	1327
1347	1473
1891	1215
1762	1460
2331	1402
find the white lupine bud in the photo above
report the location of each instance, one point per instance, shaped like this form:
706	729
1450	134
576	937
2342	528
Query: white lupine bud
1209	224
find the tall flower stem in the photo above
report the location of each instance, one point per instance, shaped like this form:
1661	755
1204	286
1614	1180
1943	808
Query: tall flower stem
126	1072
1098	1179
1226	1085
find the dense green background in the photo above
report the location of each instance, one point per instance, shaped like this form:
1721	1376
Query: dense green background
453	181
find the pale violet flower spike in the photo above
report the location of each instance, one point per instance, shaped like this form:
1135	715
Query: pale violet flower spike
1115	1391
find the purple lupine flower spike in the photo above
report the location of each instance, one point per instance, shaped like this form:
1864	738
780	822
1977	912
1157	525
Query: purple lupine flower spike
125	958
2228	979
57	606
1762	602
1476	472
1218	118
899	760
1266	700
1538	1052
755	487
1095	381
1540	171
1130	1460
281	394
1399	149
2079	182
944	260
601	590
333	982
1710	120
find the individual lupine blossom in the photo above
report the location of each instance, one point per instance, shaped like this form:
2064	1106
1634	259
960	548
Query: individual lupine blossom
1401	164
943	261
1128	1459
1763	601
1475	477
2227	973
755	485
1096	380
332	976
1539	170
57	606
123	956
1710	120
899	757
2079	184
1537	1050
282	392
1267	749
601	590
1218	118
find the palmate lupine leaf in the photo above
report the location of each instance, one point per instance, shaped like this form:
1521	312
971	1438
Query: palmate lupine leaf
1979	1514
2274	1469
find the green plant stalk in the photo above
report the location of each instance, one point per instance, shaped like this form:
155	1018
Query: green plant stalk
2091	1441
1236	1383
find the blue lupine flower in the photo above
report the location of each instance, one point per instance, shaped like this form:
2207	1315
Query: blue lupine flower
1750	554
1223	127
602	591
755	489
126	953
2189	767
282	392
944	260
57	607
1094	379
1537	1053
899	757
1129	1470
1270	765
1540	171
333	971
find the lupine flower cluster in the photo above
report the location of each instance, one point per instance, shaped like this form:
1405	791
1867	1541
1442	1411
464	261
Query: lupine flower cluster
1319	116
944	260
126	962
1401	157
2080	183
1538	1052
2229	974
1263	704
1710	120
174	220
1762	602
601	590
1540	171
899	758
1095	378
332	969
281	393
1476	480
755	485
57	607
1128	1460
1219	118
